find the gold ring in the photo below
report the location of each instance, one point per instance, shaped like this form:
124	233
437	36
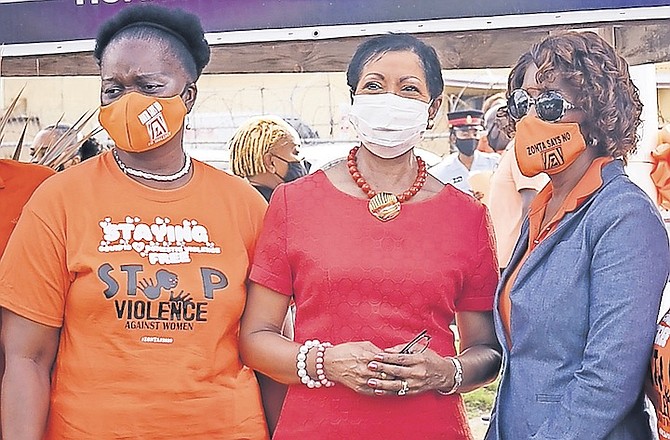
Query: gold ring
404	388
383	375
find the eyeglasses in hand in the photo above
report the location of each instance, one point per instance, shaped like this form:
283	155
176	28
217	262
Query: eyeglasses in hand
417	345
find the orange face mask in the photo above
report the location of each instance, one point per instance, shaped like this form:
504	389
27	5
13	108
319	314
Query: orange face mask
138	123
546	147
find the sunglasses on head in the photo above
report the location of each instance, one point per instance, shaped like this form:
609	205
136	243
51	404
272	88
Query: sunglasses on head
550	106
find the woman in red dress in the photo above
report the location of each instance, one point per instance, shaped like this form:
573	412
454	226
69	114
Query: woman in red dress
374	251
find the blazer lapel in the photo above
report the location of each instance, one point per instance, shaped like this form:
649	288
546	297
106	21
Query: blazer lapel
536	257
609	173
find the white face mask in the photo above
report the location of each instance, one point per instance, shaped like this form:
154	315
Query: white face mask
387	124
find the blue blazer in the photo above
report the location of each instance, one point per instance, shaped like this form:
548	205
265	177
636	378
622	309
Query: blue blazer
584	308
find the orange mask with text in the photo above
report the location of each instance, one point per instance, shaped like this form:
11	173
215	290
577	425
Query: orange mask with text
138	123
546	147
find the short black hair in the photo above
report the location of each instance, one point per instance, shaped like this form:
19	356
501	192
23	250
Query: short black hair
181	30
378	46
89	148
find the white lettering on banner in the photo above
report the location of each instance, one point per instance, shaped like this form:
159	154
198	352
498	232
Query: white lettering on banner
160	242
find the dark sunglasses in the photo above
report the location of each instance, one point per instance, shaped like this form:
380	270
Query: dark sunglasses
550	106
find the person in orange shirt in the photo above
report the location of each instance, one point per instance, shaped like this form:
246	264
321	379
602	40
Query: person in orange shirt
18	181
123	284
577	304
660	173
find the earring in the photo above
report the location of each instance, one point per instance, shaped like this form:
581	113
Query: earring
187	125
430	124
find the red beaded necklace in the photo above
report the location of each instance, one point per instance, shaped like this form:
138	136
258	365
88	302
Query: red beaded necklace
385	205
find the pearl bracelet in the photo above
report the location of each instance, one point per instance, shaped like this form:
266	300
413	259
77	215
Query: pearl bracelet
301	364
458	376
321	375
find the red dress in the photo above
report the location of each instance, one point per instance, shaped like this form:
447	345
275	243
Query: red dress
355	278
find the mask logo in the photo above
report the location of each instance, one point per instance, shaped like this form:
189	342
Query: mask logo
553	158
138	123
548	147
153	119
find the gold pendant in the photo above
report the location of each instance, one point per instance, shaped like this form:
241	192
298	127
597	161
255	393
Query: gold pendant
385	206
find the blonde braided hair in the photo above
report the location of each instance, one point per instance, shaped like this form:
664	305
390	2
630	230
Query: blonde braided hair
255	138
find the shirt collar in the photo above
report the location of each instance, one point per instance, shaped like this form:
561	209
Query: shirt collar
587	185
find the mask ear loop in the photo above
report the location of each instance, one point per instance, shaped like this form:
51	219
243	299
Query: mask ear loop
275	173
431	120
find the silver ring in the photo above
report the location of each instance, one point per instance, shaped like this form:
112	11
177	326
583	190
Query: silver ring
383	375
404	388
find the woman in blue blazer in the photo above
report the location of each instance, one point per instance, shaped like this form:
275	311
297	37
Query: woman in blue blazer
576	308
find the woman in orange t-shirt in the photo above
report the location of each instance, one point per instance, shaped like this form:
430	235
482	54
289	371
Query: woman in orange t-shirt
125	279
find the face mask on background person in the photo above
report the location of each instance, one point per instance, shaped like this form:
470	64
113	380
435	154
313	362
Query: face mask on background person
548	147
295	170
467	146
388	125
138	122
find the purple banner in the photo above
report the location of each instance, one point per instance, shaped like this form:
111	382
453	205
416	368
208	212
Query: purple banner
67	20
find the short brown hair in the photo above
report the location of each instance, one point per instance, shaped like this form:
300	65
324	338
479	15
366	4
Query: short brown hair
606	95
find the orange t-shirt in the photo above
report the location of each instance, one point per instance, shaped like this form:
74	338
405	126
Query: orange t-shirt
17	182
148	287
587	185
660	377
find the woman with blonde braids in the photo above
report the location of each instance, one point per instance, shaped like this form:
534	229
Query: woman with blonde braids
264	150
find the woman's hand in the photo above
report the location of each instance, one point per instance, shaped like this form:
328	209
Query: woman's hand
348	364
422	372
